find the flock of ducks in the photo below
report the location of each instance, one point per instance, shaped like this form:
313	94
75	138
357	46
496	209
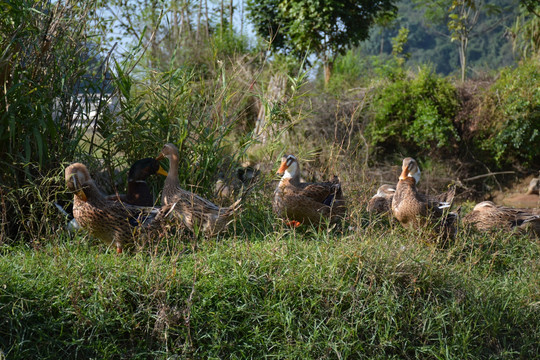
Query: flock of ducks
120	219
412	208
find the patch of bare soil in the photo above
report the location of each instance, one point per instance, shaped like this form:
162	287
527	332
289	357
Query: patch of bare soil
516	195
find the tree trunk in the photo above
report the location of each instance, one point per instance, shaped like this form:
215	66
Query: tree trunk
382	42
154	46
207	25
328	66
188	21
199	14
241	17
275	93
231	15
222	19
463	57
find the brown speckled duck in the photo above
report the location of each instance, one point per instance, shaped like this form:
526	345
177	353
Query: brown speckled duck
381	202
412	208
138	192
194	210
301	202
113	222
486	216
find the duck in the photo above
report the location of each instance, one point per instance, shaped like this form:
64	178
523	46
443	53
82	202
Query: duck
534	187
486	216
381	202
229	185
413	209
303	202
138	192
113	222
195	211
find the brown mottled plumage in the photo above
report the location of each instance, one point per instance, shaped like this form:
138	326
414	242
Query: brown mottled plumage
381	202
113	222
486	216
412	208
306	202
194	210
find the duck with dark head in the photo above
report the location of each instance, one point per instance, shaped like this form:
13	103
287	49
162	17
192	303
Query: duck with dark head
138	191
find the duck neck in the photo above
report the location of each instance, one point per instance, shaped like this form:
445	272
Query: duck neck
172	175
93	194
408	182
291	177
138	193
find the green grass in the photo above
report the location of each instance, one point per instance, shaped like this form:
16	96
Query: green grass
372	293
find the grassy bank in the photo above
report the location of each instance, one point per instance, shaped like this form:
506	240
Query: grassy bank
368	293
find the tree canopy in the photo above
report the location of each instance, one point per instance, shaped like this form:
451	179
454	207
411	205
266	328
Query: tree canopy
324	28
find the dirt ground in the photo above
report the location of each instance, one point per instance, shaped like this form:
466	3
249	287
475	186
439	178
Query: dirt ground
516	195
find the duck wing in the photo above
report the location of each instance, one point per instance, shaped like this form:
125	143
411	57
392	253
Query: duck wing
445	197
317	192
138	216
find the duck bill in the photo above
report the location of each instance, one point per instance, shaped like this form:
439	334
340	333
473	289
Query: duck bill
161	171
81	195
160	157
282	168
404	173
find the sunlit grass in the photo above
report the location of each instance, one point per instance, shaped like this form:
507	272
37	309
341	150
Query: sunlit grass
373	292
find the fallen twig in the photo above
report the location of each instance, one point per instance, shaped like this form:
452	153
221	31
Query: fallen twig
488	174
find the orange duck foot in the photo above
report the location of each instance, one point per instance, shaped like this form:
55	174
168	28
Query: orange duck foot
118	250
293	223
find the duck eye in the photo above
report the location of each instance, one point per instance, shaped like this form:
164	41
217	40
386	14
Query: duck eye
290	160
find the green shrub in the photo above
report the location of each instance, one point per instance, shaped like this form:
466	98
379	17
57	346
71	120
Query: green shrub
42	67
174	106
512	132
414	113
44	81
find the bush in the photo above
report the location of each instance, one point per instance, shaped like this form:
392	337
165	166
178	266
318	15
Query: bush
54	89
511	131
47	60
414	114
44	85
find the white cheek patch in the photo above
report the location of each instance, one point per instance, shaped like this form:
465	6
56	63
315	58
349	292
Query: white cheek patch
416	176
291	171
287	174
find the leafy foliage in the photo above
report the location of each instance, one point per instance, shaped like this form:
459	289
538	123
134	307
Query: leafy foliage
526	35
414	113
42	74
512	132
324	28
51	79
